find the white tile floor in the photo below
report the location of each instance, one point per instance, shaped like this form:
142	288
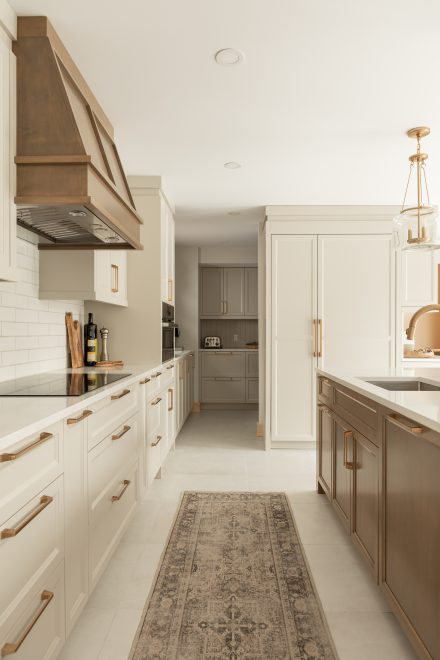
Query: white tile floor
219	451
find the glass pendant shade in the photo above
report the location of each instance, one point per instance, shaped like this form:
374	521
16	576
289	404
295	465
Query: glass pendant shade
417	227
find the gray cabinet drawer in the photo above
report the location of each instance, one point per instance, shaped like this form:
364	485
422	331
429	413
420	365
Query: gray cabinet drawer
252	365
223	364
223	390
252	390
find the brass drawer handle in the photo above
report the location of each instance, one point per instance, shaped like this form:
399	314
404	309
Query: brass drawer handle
171	366
320	337
314	352
123	432
119	396
171	391
8	533
159	438
76	420
347	435
116	498
170	290
145	381
411	426
157	374
10	648
13	457
156	401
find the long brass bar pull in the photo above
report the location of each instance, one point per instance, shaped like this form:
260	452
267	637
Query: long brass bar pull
156	401
76	420
171	391
320	337
118	436
405	424
158	439
315	354
348	435
126	484
119	396
21	452
10	648
8	533
145	381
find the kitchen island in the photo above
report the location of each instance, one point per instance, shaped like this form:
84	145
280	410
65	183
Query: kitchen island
378	462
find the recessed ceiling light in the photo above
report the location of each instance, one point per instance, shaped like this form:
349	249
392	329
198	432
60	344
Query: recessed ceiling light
232	165
228	56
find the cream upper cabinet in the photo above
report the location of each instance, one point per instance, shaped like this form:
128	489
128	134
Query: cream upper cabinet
228	291
99	275
167	239
8	216
418	278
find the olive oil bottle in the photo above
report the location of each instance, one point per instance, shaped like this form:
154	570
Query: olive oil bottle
90	343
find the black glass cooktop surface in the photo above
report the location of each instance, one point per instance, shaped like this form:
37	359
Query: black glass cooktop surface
56	384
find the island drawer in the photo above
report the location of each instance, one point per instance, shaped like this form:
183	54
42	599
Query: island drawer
359	411
35	628
30	541
111	412
27	466
325	390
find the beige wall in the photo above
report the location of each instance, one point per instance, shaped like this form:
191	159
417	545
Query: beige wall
229	254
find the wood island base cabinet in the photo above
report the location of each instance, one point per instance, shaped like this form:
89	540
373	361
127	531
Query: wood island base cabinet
380	471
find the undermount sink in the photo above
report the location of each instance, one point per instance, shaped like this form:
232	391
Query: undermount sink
404	385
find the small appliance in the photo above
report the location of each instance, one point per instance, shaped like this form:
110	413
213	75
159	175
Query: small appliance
168	332
212	342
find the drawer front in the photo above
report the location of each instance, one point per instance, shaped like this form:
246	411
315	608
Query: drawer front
223	365
227	390
106	458
109	516
252	365
325	390
154	414
31	541
154	384
36	625
252	390
153	457
27	466
362	413
111	412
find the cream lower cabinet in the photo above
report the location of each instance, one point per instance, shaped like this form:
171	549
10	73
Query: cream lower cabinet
332	305
184	389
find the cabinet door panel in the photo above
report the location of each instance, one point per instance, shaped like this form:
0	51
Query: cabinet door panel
418	278
325	438
293	308
226	390
212	291
365	524
341	496
411	564
233	295
356	301
251	292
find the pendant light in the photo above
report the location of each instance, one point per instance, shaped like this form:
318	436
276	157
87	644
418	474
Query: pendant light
417	226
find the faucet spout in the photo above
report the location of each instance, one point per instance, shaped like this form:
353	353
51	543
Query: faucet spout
410	331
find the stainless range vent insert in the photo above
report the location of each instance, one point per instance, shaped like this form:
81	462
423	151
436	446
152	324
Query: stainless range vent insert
68	225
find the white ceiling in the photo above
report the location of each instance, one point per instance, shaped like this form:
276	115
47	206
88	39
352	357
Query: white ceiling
316	113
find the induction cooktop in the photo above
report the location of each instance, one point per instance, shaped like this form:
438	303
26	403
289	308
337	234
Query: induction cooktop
57	384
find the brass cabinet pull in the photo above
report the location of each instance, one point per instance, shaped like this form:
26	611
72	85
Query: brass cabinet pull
21	452
8	533
320	337
76	420
157	374
171	391
315	354
226	306
347	435
145	381
115	278
170	290
119	396
10	648
123	432
156	401
171	366
410	426
116	498
158	439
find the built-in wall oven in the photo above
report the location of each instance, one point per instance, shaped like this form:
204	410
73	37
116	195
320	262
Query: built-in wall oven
168	332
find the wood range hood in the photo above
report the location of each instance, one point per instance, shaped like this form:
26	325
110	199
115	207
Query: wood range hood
71	187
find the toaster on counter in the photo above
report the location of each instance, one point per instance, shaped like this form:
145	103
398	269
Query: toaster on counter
212	342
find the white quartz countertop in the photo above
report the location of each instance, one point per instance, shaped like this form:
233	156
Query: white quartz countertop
422	407
22	416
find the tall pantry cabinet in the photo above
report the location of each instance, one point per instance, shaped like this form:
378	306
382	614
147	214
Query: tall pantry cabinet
330	303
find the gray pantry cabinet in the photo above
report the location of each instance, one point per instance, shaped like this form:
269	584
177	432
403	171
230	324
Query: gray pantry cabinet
229	292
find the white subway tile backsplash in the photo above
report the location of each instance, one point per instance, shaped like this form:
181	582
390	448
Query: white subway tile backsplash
32	331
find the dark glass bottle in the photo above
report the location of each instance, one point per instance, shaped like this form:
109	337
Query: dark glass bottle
90	343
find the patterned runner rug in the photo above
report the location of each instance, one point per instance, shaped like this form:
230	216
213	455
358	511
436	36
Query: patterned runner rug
233	585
